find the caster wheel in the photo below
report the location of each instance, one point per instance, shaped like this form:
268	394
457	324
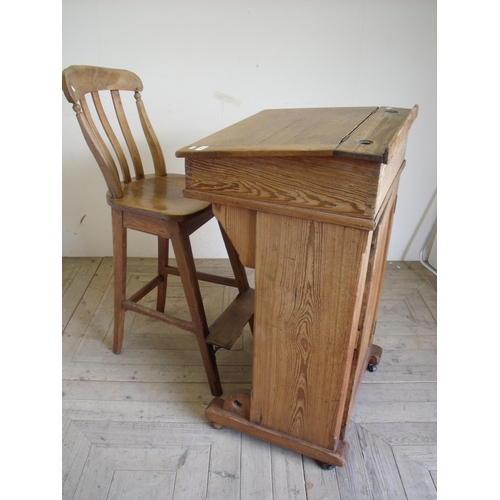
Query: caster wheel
326	466
371	367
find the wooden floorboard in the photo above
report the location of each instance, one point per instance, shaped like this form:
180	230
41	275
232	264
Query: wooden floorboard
134	426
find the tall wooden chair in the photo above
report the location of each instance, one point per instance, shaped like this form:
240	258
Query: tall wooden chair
152	204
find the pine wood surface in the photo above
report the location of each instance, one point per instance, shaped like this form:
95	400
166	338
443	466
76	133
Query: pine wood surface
366	133
277	131
240	225
369	307
134	426
327	164
157	196
256	180
299	283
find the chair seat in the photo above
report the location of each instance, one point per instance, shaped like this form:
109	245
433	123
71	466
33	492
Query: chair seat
159	197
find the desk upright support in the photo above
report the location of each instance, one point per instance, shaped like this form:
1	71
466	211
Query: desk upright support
307	197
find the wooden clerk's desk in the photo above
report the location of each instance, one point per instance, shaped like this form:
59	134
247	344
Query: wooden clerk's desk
307	197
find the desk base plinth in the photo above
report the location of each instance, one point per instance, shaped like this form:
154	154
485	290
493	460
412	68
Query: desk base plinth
220	417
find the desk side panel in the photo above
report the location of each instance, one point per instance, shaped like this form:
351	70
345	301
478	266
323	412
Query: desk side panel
309	282
390	171
370	305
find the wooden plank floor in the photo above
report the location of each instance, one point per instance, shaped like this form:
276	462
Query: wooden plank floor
133	424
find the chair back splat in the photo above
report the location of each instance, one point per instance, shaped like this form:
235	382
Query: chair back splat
78	82
153	204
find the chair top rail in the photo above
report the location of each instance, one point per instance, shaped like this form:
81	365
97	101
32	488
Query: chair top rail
80	80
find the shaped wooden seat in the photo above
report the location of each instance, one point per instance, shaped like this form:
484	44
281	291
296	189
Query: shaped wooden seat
154	204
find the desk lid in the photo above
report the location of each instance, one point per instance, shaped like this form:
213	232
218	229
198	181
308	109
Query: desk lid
364	133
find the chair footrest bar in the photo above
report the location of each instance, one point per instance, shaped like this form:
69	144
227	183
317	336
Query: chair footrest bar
226	329
146	289
210	278
220	280
166	318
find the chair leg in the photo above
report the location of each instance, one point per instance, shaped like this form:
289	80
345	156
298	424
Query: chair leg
120	276
187	271
162	264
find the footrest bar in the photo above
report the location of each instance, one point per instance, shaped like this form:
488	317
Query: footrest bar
166	318
210	278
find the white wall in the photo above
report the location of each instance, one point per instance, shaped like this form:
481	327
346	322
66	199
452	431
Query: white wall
208	64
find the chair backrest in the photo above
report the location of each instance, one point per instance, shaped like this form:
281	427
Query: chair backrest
77	82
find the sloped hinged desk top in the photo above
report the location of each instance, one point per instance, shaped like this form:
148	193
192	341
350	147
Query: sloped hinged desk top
327	164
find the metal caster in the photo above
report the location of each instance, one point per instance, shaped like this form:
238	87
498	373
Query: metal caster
325	466
371	367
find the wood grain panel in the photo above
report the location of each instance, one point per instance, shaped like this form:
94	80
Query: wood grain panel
302	355
333	186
